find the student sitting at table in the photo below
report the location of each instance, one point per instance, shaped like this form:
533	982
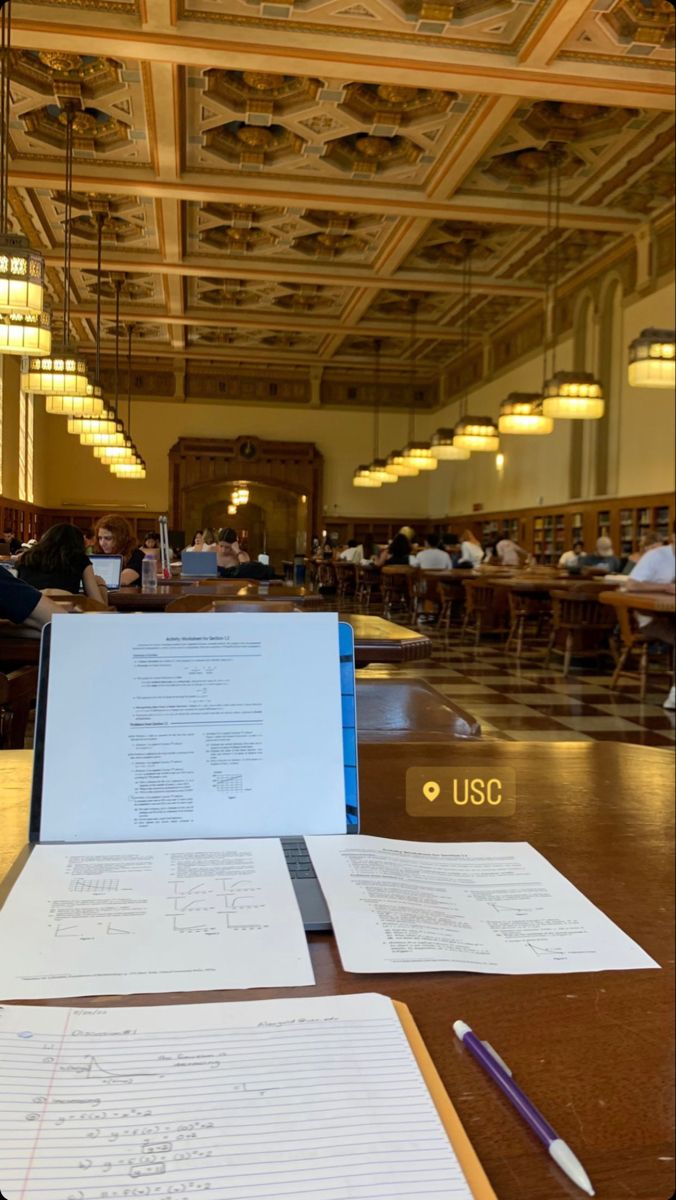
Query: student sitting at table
353	552
603	558
656	572
115	536
199	544
25	605
569	558
431	558
472	550
397	554
59	561
229	554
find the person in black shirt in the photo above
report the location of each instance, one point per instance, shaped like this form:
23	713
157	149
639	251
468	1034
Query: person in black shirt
59	561
116	536
24	605
12	541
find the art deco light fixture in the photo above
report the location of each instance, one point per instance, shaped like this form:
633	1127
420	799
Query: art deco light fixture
363	478
568	395
135	470
416	453
444	449
400	466
652	359
22	269
522	412
476	433
63	372
379	469
130	457
91	404
24	333
419	454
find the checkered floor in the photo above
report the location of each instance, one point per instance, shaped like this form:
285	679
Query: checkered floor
520	700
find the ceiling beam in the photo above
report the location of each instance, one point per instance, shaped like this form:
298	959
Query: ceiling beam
327	195
551	33
290	51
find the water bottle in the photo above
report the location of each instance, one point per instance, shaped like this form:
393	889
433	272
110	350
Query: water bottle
149	575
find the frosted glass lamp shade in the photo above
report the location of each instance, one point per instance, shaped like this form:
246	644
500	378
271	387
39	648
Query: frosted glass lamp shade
116	454
22	276
476	433
522	412
91	405
400	466
110	437
379	470
362	478
573	396
652	359
443	448
135	470
25	333
419	454
60	373
104	423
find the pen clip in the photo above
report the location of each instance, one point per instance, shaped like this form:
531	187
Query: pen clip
496	1056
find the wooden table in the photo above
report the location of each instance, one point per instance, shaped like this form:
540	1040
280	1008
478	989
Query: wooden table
646	602
132	599
381	641
595	1051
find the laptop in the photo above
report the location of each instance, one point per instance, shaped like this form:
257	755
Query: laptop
310	898
108	567
199	562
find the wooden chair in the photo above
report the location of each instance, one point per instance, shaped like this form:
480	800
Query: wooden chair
581	626
345	578
451	592
326	575
397	585
367	582
18	690
485	608
635	639
525	606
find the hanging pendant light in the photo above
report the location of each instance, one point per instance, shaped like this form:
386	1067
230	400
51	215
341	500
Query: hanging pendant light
401	466
566	395
116	453
22	269
416	453
104	423
652	359
573	395
444	449
522	413
419	455
363	478
379	469
111	433
91	405
25	333
476	433
63	372
135	470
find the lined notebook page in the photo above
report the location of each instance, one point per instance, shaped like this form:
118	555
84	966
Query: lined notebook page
317	1099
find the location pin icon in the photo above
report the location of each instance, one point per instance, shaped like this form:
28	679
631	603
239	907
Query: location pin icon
431	790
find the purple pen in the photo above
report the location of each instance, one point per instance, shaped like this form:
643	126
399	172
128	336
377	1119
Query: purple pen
500	1073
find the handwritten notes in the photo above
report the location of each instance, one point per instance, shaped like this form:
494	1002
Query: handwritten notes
152	917
462	906
317	1099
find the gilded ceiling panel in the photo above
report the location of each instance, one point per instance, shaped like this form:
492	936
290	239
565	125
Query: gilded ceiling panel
447	244
254	339
256	121
490	25
105	93
637	33
127	221
271	297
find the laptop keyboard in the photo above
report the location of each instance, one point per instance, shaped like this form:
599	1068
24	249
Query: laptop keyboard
297	859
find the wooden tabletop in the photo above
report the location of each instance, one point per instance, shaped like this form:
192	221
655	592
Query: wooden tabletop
594	1051
132	599
659	602
381	641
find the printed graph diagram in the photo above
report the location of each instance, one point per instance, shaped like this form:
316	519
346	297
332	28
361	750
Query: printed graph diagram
225	901
94	887
232	785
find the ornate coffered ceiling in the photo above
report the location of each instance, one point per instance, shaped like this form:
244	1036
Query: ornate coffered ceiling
281	182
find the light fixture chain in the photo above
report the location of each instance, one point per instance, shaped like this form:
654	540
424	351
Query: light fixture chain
376	407
411	420
118	289
5	46
99	255
557	218
130	330
67	234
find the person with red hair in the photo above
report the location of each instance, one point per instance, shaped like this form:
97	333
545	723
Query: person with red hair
115	535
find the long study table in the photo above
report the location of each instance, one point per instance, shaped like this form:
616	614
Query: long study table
594	1051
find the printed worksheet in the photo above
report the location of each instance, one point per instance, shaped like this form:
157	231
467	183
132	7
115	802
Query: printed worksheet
462	906
193	725
318	1099
152	917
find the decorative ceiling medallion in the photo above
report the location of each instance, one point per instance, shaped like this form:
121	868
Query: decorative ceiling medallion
60	73
363	154
337	222
561	121
253	145
235	293
237	241
93	130
389	104
645	22
329	245
530	166
260	94
133	289
396	304
306	297
241	216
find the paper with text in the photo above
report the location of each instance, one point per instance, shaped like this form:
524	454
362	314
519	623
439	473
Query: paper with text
172	725
152	917
317	1099
462	906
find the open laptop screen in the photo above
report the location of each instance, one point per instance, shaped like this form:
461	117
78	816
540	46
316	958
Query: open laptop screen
108	567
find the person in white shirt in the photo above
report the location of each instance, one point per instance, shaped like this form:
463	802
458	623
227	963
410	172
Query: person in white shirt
569	557
472	550
353	552
655	572
198	543
509	554
431	558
